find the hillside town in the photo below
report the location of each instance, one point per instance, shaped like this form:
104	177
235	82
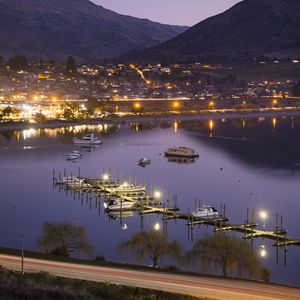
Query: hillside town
39	92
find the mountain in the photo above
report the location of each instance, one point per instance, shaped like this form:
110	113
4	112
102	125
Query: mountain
58	28
249	29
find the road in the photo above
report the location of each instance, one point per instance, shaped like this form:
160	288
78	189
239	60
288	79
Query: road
216	288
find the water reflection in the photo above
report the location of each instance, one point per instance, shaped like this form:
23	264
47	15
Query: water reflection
181	160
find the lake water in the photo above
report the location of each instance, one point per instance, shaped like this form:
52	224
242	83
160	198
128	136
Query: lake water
250	163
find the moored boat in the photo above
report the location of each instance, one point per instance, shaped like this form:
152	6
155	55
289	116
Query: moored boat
205	212
184	152
144	161
128	188
119	205
88	139
69	180
74	155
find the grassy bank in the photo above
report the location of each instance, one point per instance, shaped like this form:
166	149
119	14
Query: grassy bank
15	286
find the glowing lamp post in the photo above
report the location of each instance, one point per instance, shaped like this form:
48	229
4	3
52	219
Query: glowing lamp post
105	177
157	195
263	215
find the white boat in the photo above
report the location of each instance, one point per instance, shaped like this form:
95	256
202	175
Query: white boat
181	152
205	212
144	161
69	180
128	188
73	155
88	139
119	205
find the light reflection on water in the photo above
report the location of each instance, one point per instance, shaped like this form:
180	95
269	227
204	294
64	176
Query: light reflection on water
245	163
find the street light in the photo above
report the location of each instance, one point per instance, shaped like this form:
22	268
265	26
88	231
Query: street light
263	215
105	177
157	194
176	104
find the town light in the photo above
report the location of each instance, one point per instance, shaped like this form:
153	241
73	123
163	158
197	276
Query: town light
176	104
211	104
137	105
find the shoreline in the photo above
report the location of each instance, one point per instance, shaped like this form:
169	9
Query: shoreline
167	117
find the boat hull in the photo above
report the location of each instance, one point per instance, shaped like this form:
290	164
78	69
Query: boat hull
174	155
81	142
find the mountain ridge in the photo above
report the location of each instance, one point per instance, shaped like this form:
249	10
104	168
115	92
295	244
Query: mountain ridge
58	28
249	29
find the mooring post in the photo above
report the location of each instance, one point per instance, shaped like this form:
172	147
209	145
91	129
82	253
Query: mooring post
252	222
22	253
277	237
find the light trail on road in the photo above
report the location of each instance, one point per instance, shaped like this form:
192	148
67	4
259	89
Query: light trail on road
199	286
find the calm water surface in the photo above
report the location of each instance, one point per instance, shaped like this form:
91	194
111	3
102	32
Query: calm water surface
252	163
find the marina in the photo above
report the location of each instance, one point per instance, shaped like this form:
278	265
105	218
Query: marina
130	197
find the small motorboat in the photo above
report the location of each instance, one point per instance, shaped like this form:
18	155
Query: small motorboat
144	162
183	152
205	212
69	180
126	188
119	205
88	139
74	155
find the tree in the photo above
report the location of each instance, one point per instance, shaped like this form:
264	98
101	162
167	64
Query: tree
18	62
265	275
40	118
152	244
7	111
64	239
226	252
71	67
93	104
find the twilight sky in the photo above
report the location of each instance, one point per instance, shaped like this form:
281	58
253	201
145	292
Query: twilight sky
181	12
